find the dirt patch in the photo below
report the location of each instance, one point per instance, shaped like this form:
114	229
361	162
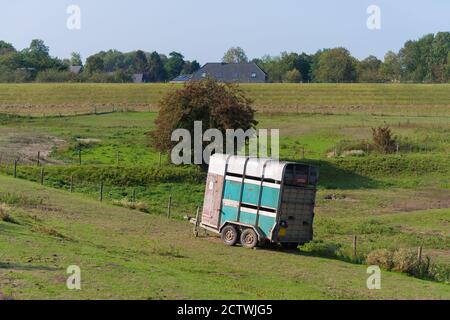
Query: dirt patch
26	145
424	200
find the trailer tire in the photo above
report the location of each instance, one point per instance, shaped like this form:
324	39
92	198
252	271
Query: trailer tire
249	238
229	235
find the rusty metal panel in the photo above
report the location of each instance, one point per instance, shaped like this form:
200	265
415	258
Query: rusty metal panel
297	209
213	200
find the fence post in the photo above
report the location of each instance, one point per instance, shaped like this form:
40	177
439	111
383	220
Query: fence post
15	169
71	183
169	206
42	176
39	158
419	253
133	197
354	246
101	191
79	157
303	152
197	222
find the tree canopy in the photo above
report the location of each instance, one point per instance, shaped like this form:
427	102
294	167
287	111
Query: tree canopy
423	60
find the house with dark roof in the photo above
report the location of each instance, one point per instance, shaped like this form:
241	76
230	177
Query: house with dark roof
231	72
182	78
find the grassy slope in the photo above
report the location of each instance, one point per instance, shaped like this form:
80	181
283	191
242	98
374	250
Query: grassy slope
378	98
126	254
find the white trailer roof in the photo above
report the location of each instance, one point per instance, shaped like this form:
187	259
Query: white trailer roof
274	169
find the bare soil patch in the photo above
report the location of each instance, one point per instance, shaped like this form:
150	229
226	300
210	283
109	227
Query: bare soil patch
24	146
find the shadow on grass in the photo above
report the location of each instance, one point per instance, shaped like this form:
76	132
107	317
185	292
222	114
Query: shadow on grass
334	177
324	250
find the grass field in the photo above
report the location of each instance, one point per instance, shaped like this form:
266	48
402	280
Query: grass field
125	254
392	201
47	99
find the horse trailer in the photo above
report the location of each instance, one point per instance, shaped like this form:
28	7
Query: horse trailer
258	200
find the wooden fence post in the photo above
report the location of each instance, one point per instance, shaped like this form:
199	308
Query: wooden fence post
133	197
15	169
419	253
79	157
71	183
101	191
42	176
354	246
39	158
169	207
197	222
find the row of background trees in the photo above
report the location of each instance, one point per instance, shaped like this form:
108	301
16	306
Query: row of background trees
424	60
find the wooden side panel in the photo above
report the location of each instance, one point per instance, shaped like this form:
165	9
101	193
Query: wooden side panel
213	200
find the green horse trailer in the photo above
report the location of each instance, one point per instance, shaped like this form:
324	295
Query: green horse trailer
258	200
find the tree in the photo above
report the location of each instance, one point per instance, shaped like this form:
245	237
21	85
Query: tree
440	50
114	60
174	65
390	69
235	55
368	70
190	67
38	47
292	76
94	64
37	57
137	62
219	106
6	48
336	65
75	59
156	71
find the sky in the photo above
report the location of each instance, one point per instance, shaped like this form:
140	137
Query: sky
205	29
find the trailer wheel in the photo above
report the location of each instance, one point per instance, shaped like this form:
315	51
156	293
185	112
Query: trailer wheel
289	245
229	235
249	238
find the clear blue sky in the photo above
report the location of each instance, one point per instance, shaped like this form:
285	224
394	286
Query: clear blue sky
205	29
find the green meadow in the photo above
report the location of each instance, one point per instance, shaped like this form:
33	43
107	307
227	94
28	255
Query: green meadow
125	250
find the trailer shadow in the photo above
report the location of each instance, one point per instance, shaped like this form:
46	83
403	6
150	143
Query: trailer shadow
332	176
328	253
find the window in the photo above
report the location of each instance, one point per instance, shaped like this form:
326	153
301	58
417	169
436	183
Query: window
204	75
254	75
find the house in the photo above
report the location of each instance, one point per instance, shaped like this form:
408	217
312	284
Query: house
137	78
182	78
75	69
231	72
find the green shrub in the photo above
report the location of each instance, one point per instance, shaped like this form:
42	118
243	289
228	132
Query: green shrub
52	75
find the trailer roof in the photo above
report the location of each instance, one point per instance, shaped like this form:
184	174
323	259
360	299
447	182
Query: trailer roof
255	167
